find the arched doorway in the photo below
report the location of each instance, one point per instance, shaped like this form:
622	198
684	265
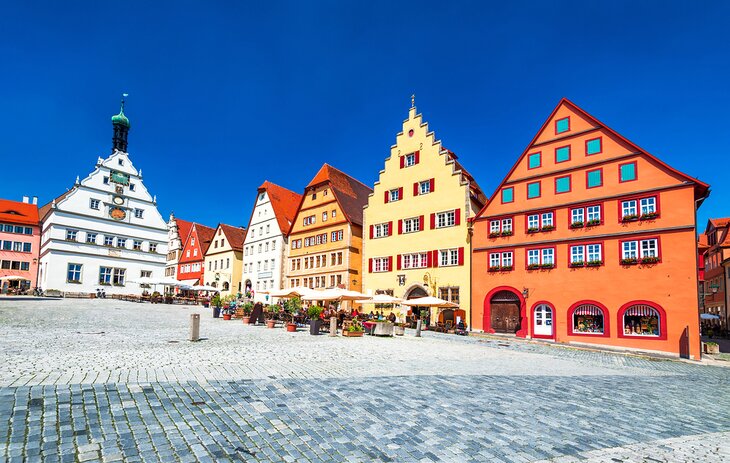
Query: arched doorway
504	311
416	292
421	312
542	321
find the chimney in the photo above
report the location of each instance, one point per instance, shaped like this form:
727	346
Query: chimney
26	200
35	200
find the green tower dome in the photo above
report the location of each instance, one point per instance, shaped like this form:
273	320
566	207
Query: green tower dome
120	118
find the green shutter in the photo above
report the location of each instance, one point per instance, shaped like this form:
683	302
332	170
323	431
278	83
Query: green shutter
508	195
595	178
562	125
562	185
593	146
628	172
533	190
562	154
534	160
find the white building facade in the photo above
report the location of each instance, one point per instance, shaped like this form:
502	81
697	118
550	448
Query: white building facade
106	231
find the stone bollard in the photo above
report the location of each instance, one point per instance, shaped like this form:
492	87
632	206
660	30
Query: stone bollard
333	326
418	328
194	327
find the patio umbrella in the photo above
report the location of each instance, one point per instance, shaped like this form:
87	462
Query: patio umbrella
203	288
428	301
13	278
297	291
381	299
709	316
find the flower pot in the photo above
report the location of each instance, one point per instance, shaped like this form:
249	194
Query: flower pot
270	323
352	334
246	319
711	348
216	312
314	326
291	327
399	330
226	316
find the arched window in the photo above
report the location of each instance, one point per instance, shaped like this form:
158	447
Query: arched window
225	286
641	320
588	318
214	284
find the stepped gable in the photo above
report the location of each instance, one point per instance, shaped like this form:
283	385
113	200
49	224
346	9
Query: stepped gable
18	212
284	202
183	228
351	194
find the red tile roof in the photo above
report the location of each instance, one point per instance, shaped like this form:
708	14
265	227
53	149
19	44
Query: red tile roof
284	202
18	212
46	209
720	223
205	237
351	194
234	235
183	228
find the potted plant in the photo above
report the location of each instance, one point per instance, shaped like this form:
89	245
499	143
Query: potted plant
217	303
291	307
495	234
355	330
271	316
576	225
247	309
593	223
533	230
506	268
507	233
578	263
630	218
548	228
711	347
314	311
649	216
594	263
629	261
399	329
547	266
649	260
533	266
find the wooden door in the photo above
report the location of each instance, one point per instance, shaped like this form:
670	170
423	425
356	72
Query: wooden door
505	317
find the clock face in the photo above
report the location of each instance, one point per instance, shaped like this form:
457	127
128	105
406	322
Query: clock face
118	200
117	214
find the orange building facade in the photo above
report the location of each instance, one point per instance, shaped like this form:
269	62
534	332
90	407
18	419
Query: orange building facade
589	239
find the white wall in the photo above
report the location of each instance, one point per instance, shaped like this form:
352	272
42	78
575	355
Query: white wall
263	229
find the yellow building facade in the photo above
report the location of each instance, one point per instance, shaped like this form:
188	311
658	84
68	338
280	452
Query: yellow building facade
416	222
224	260
325	241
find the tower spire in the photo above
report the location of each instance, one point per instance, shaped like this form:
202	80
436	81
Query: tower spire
121	125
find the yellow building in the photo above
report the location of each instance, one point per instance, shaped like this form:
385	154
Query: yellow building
224	259
325	241
416	239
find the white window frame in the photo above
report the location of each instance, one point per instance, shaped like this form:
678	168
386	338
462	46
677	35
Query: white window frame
381	230
424	187
410	160
446	219
380	264
94	203
394	196
412	225
448	257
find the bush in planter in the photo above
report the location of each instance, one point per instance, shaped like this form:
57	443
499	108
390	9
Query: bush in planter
247	308
314	312
216	301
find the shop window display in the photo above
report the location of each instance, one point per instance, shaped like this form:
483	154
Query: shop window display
588	319
641	320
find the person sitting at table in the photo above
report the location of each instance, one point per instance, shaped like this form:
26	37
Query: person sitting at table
371	315
391	317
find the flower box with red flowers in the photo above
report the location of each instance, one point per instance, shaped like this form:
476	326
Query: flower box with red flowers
593	223
507	233
594	263
533	266
649	260
547	228
533	230
649	216
630	261
629	218
577	225
579	263
506	268
547	266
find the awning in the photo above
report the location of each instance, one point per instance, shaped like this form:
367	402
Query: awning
641	310
588	309
189	282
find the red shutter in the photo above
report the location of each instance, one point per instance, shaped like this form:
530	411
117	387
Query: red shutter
398	260
415	189
435	257
417	155
400	226
461	256
402	162
387	196
400	193
390	228
457	217
420	223
370	265
371	232
433	221
390	263
428	259
433	185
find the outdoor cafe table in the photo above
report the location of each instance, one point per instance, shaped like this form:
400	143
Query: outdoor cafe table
369	327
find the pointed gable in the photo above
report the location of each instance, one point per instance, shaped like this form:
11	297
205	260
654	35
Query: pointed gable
183	228
234	235
350	193
205	236
284	202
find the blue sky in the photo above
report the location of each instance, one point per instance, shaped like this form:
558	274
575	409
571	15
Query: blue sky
224	95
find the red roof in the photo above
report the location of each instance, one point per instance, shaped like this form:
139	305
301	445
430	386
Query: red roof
46	209
284	202
720	223
205	236
234	235
17	212
183	228
351	194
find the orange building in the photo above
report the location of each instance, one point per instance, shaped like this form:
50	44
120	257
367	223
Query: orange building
325	241
714	276
589	239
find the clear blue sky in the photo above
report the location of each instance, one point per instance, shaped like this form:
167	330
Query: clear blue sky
224	95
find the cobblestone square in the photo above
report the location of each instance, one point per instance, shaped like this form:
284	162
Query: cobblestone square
91	380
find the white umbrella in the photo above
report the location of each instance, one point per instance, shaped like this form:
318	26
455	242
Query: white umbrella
334	294
380	299
709	316
428	301
203	288
145	281
169	282
297	291
13	278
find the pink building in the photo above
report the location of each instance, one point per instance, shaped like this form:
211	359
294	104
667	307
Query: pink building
20	242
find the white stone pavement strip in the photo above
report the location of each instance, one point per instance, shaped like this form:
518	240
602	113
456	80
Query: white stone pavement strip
99	381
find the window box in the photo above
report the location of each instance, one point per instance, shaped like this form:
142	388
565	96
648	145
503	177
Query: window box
506	268
594	263
533	230
533	266
548	228
630	218
577	225
649	216
507	233
593	223
547	266
649	260
630	261
579	263
495	269
495	235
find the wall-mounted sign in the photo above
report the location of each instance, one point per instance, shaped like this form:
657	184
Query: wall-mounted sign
117	213
119	177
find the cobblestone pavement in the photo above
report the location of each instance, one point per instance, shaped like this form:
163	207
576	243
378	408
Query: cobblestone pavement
112	381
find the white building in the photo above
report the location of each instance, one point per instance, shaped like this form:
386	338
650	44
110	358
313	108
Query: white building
104	232
265	246
177	233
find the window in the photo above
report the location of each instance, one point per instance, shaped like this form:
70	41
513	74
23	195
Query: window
27	247
533	190
642	320
544	221
500	227
395	194
414	260
643	208
17	246
309	220
594	146
137	245
594	178
562	154
73	273
120	161
121	242
586	254
449	293
314	196
195	252
449	257
628	210
425	187
412	225
131	187
266	248
139	213
562	125
337	235
28	230
540	258
508	195
410	160
588	319
445	219
648	206
501	261
324	218
109	241
534	160
153	247
268	227
91	238
7	245
380	230
644	251
25	266
334	211
105	275
562	184
261	247
106	180
94	204
71	235
118	276
381	264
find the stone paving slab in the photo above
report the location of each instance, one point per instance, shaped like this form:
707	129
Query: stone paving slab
99	381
